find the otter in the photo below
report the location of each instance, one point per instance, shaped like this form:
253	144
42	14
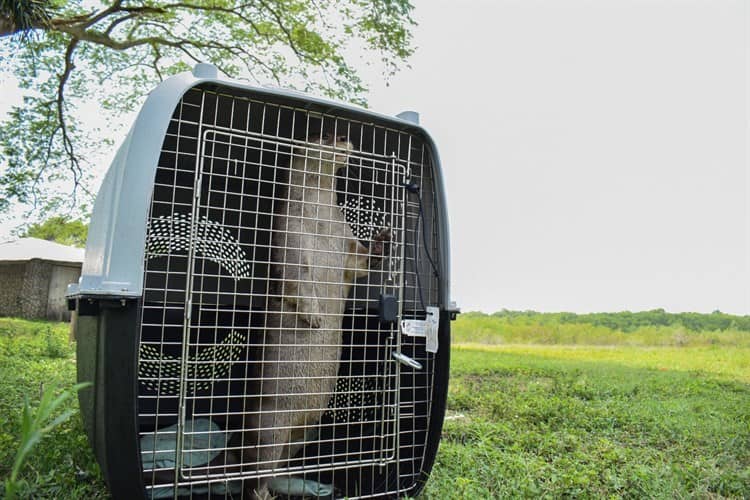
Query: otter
315	261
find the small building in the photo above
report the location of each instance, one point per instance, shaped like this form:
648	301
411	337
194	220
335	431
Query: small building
34	275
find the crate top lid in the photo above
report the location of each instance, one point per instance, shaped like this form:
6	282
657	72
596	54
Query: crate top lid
113	264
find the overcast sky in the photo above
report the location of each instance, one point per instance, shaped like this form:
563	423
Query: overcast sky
595	152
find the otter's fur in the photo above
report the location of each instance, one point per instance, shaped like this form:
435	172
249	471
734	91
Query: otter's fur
316	259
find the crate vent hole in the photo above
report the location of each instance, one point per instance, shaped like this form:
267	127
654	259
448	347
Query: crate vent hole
170	234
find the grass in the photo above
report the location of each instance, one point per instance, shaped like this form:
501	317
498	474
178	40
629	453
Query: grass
557	421
35	425
591	413
34	356
538	328
720	362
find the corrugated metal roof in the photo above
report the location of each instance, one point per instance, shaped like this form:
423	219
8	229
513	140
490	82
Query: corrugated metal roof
34	248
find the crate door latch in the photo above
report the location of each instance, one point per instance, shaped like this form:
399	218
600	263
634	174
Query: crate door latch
427	328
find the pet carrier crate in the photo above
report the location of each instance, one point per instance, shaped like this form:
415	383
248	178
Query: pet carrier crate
264	304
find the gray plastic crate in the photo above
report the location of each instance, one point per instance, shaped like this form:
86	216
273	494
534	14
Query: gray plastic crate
264	303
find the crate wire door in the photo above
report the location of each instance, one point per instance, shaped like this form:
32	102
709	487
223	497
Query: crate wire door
225	233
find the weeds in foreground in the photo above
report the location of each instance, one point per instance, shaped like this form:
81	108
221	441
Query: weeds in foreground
35	355
35	424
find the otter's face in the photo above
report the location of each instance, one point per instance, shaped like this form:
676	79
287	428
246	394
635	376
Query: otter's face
333	152
334	149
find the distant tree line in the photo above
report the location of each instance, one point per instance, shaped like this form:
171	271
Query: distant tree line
627	321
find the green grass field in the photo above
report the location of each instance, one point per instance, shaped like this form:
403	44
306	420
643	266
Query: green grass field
556	421
558	411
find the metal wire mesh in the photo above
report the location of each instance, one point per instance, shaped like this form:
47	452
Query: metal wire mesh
272	233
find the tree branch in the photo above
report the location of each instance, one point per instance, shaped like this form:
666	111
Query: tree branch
272	39
47	156
95	18
74	164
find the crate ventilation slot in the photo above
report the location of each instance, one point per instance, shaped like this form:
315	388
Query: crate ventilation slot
354	400
364	217
170	234
165	368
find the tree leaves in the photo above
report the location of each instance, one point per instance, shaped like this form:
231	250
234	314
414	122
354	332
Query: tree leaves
115	53
59	229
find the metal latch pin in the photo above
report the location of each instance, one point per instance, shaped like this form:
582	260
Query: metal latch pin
406	360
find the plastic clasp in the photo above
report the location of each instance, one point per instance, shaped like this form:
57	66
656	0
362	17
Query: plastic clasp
427	328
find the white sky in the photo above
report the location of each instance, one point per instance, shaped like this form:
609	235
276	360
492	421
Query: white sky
595	153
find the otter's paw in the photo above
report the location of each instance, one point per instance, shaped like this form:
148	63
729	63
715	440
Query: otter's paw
314	320
378	247
304	310
308	310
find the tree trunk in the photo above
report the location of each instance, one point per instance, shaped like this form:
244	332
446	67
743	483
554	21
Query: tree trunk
7	26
